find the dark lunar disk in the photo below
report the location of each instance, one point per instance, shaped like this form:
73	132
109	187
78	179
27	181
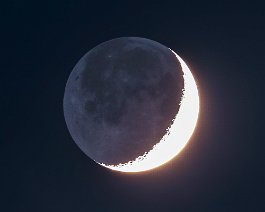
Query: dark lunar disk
121	97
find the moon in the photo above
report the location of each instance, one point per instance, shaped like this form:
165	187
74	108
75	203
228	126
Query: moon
131	104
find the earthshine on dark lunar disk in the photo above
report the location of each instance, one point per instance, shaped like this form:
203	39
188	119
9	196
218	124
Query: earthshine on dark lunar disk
121	98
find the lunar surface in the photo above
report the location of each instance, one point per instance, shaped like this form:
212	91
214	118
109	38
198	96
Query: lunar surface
121	99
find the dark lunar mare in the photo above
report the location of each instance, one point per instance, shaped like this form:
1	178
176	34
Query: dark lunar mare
121	97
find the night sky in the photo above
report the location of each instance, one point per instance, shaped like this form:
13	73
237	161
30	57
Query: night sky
223	166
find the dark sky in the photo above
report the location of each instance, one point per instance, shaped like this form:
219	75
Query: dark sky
222	168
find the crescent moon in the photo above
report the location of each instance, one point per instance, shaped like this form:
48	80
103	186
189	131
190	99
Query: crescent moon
177	135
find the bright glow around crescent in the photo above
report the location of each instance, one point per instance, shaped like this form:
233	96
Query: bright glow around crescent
177	135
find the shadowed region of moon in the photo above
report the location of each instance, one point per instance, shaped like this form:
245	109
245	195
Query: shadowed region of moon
121	97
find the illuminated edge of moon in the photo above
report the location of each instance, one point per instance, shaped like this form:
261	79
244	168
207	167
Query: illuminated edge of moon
177	135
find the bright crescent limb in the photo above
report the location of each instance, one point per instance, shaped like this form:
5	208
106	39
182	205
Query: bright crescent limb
178	134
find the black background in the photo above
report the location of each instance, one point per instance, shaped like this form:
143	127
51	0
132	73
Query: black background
222	168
